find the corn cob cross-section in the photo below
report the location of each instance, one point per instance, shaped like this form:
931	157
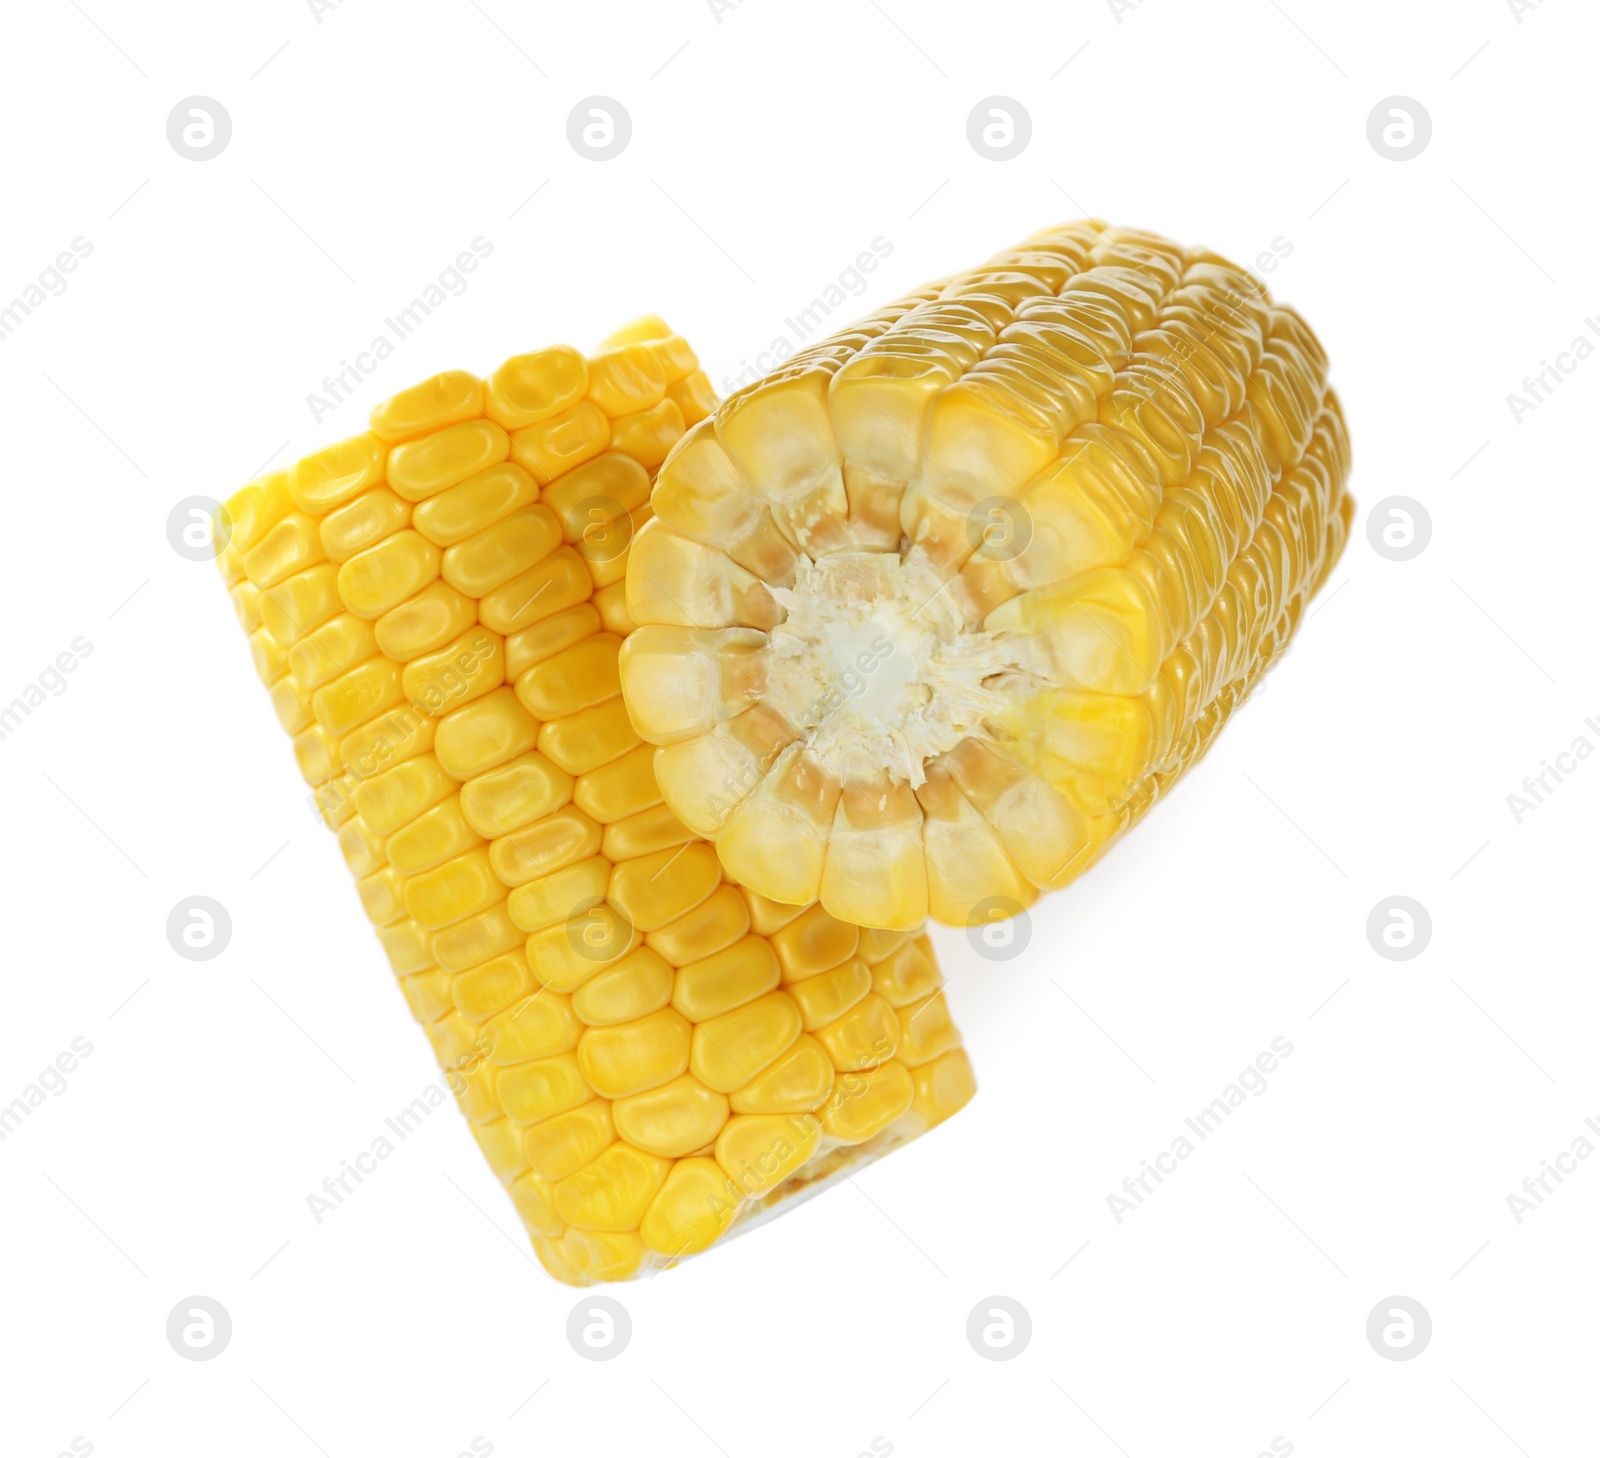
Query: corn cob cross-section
648	1053
934	612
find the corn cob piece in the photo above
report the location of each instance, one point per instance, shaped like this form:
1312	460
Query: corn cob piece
649	1055
933	613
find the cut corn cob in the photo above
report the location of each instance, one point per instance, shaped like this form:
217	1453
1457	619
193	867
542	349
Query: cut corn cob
648	1054
933	613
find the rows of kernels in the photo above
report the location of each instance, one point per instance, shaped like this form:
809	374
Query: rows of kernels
437	609
1169	441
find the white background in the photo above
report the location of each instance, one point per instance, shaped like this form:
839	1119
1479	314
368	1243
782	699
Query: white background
769	147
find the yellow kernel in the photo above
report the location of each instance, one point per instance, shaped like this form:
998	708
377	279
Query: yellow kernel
831	994
534	1200
431	839
442	400
926	1031
525	790
613	1191
659	888
595	494
576	678
908	976
427	994
533	645
566	955
625	379
813	943
291	546
478	502
484	734
460	887
545	846
725	980
537	1026
560	896
339	644
362	523
559	582
650	830
425	623
611	603
628	1058
559	1146
383	896
502	1148
799	1081
387	741
602	1255
529	388
553	447
717	922
361	848
425	467
481	992
622	788
943	1086
359	695
864	1104
397	796
494	556
635	987
300	604
647	435
590	738
334	474
694	396
542	1089
731	1049
693	1209
382	577
758	1151
476	940
675	1119
406	946
864	1037
471	666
